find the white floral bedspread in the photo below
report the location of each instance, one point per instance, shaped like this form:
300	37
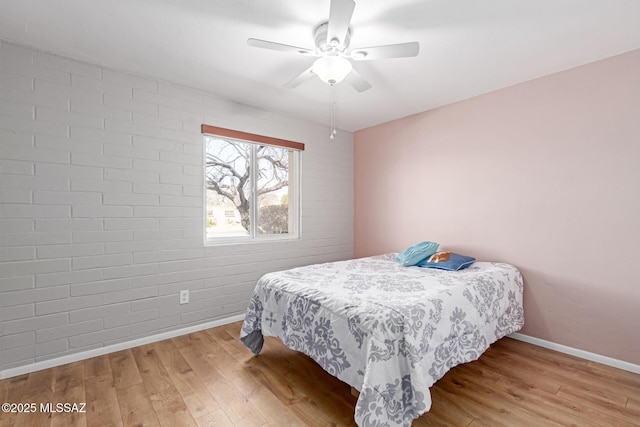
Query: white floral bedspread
389	331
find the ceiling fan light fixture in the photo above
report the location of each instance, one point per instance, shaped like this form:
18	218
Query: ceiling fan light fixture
331	69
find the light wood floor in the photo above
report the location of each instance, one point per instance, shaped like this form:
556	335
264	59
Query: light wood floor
209	379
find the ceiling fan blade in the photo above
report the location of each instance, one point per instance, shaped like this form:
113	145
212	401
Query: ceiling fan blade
301	78
358	82
340	14
264	44
401	50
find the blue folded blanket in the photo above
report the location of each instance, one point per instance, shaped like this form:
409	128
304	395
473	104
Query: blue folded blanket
416	253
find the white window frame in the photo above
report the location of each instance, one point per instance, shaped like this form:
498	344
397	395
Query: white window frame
294	186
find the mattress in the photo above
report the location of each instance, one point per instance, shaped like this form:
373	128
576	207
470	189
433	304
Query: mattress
389	331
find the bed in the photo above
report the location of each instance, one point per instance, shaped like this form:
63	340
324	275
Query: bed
386	330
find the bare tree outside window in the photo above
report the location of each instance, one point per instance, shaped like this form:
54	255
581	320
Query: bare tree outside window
230	185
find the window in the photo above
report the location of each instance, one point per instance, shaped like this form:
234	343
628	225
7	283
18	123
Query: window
251	186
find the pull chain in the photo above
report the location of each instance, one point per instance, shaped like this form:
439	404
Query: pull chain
333	131
333	121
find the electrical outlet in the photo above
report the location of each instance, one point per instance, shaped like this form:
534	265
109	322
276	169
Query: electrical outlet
184	296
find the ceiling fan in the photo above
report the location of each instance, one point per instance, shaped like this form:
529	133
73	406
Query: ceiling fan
332	50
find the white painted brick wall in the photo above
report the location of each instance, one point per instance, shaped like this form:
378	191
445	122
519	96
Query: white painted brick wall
101	199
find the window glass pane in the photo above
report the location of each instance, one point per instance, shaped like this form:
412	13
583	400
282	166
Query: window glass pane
228	188
251	190
273	190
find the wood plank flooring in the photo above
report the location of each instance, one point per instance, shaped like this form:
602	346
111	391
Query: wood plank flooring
209	378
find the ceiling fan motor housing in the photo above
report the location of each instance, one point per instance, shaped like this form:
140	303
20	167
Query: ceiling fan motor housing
324	45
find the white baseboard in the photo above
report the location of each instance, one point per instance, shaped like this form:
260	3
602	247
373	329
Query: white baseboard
620	364
75	357
70	358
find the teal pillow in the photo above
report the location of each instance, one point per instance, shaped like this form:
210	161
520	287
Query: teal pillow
447	261
416	253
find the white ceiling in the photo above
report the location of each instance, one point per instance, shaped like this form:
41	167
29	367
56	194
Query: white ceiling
467	47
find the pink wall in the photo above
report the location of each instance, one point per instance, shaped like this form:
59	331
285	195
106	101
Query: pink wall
544	175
